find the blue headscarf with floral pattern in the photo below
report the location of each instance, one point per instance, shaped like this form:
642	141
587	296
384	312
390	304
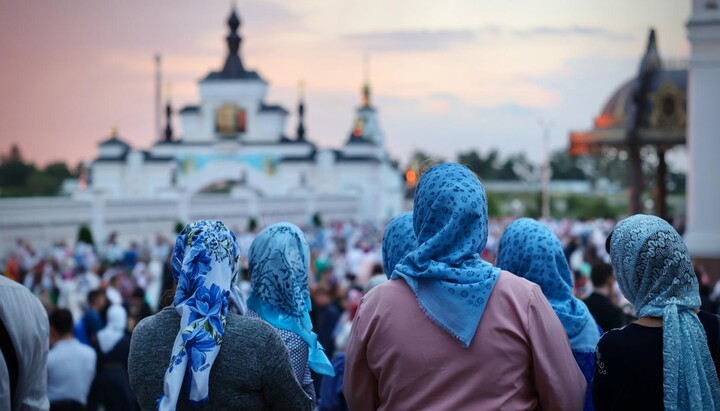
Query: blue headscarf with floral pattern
205	266
530	250
398	240
655	273
279	261
450	280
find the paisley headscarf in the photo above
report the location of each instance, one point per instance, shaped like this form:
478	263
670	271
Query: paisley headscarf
279	261
398	240
450	280
654	273
530	250
205	266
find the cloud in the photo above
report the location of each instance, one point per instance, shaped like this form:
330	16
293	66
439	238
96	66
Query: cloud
576	31
410	40
424	40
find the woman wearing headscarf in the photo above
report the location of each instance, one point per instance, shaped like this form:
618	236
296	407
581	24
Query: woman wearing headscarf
530	250
450	331
199	353
279	261
111	387
663	360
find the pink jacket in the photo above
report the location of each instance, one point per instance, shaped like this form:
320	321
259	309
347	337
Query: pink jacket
520	358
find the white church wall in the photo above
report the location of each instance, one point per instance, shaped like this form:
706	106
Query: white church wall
192	126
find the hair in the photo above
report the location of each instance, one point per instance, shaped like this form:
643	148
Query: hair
93	296
62	321
607	242
601	274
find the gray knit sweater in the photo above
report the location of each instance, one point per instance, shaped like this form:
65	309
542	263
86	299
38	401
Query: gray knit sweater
252	370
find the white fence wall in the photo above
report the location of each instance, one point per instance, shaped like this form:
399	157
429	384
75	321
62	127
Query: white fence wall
44	220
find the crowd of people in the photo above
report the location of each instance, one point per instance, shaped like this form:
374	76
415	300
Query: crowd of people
441	309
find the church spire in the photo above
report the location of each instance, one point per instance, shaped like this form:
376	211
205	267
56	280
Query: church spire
301	113
366	81
168	118
233	67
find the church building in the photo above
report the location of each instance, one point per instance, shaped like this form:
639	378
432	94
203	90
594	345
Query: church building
234	139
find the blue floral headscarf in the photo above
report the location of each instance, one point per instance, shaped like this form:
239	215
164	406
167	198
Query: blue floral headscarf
450	280
654	272
530	250
205	266
279	261
398	240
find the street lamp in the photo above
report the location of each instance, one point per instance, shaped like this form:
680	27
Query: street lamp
546	125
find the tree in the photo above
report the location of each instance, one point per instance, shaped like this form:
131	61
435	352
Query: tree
566	167
14	172
85	235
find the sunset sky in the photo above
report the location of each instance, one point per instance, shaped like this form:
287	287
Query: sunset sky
447	76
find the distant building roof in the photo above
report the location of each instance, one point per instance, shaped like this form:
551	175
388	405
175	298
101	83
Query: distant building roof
114	141
272	108
190	109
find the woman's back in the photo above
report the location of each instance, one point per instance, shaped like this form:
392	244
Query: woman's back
519	358
629	366
252	370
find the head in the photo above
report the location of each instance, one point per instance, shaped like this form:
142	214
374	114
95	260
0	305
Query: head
61	325
530	250
204	252
279	262
450	215
96	300
602	276
117	317
322	295
398	240
652	265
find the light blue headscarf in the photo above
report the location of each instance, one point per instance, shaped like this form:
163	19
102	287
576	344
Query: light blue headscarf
530	250
279	261
205	266
450	280
398	240
655	274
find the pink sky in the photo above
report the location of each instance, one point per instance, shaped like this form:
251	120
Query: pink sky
447	76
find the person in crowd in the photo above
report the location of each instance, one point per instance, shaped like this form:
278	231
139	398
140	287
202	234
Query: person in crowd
450	331
24	339
279	262
87	328
114	280
398	240
70	365
217	358
606	313
530	250
667	359
138	308
111	387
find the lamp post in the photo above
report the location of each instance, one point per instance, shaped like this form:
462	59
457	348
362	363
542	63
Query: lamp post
546	125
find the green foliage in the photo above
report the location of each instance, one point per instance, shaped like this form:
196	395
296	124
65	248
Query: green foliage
590	207
494	208
85	235
179	226
21	179
317	220
252	224
491	167
566	167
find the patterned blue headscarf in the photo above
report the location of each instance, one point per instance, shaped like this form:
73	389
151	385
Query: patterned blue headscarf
530	250
450	280
205	266
398	240
279	261
655	274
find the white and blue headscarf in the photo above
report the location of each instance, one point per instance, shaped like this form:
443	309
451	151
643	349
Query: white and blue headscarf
530	250
450	280
279	261
654	273
398	240
205	266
